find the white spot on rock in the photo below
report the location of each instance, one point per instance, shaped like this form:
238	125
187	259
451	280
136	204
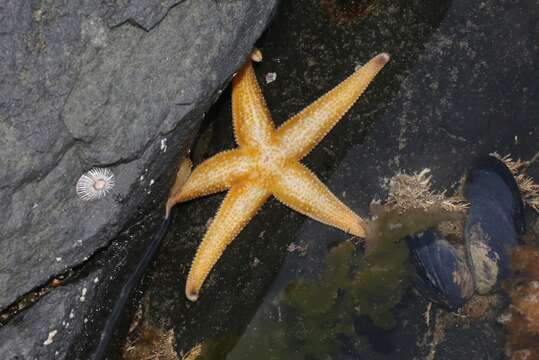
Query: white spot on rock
256	262
49	340
83	295
164	145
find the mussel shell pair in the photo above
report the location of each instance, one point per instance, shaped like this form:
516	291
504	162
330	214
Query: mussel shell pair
494	222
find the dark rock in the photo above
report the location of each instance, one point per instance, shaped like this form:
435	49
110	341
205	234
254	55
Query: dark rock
47	330
77	93
461	82
78	309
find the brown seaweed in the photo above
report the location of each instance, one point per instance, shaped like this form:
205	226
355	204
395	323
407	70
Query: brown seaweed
521	319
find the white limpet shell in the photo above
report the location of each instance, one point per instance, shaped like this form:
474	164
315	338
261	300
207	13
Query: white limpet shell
95	184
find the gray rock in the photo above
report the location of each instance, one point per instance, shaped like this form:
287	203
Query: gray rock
46	330
74	314
82	84
145	14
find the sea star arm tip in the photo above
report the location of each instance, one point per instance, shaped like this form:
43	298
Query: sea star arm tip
301	133
251	118
382	58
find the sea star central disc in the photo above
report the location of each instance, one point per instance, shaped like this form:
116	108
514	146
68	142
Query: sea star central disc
266	163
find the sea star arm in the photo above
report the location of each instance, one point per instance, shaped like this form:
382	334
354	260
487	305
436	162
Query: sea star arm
239	206
216	174
251	118
298	188
301	133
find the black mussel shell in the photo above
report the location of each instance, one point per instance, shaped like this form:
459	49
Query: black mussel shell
495	221
443	275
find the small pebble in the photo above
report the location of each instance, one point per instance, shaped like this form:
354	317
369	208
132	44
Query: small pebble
271	77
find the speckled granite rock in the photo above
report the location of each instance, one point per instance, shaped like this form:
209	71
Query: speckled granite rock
82	84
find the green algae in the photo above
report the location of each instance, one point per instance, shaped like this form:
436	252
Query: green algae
353	285
393	225
311	314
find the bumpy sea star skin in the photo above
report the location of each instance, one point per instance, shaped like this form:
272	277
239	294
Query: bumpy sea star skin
267	163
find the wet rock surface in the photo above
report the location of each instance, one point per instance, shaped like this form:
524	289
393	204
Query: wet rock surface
77	93
122	85
461	83
76	311
47	330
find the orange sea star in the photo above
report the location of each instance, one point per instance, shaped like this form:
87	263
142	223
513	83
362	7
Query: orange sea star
267	163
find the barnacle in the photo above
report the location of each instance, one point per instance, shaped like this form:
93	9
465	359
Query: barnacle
95	184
